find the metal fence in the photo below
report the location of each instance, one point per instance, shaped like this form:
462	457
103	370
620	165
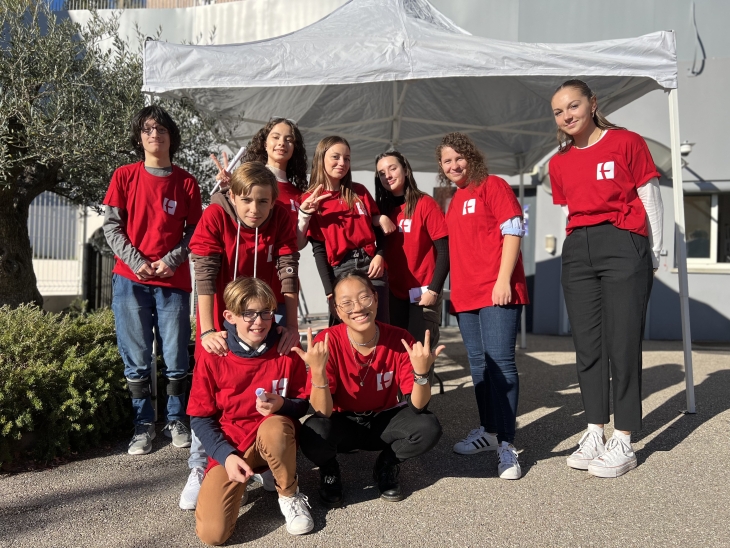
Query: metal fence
63	5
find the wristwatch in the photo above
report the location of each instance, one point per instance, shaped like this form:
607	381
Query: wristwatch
420	380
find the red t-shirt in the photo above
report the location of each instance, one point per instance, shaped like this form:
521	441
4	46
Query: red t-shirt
342	229
598	183
216	235
475	244
158	209
390	370
225	386
409	253
290	197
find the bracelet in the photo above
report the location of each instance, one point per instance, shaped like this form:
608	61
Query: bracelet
304	212
421	375
205	333
317	386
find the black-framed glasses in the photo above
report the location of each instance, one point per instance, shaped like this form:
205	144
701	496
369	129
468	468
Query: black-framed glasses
160	130
348	306
251	315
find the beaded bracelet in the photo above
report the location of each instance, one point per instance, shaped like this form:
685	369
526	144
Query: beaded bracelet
202	335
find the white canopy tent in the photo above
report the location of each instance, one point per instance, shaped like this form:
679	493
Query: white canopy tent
397	73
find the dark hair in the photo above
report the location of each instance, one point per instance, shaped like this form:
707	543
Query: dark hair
319	175
385	199
358	275
159	115
477	166
296	167
566	141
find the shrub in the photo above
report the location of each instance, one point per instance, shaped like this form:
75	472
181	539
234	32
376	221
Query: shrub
61	379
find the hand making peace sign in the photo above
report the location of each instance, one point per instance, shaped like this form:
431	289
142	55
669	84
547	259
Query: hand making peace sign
421	357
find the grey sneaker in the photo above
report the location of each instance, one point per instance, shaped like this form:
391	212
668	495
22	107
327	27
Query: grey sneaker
267	480
179	433
296	513
590	446
141	443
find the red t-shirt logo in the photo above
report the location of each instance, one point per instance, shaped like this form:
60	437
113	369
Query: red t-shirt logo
604	171
405	225
169	206
294	204
360	210
278	386
469	206
385	380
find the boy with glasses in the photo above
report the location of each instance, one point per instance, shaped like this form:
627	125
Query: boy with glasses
151	209
245	407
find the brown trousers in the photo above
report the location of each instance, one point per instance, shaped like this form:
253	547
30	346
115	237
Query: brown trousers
220	498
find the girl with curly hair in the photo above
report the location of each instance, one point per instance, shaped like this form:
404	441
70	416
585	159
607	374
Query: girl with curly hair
605	179
338	216
488	292
418	250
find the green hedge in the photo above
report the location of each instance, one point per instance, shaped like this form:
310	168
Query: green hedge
61	382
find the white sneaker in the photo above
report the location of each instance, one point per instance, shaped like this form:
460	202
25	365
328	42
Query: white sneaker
590	446
618	459
267	480
296	513
475	442
189	495
509	466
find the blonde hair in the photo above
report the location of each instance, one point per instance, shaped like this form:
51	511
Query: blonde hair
251	174
566	141
319	175
242	291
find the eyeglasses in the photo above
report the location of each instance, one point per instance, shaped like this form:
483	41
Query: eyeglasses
348	306
160	130
251	315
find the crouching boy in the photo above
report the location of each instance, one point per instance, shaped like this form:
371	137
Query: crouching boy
241	432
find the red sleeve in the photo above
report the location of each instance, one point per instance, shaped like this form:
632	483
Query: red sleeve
201	402
208	237
404	366
195	211
501	199
556	184
116	194
286	240
367	199
641	164
433	219
331	365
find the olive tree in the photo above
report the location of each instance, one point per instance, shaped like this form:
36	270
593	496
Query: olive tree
67	94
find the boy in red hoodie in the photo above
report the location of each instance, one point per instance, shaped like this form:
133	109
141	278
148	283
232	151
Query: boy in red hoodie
243	232
245	407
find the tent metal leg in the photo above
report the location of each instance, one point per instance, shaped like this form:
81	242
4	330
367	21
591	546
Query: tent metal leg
523	318
681	246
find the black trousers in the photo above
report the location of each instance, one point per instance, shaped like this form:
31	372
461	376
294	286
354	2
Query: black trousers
401	430
607	278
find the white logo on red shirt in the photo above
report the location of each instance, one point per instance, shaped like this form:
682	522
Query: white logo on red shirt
385	380
169	206
604	171
271	254
404	225
294	204
470	206
360	210
279	386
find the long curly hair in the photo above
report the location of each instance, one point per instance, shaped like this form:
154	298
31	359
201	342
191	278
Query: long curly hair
566	141
476	164
385	199
319	175
296	167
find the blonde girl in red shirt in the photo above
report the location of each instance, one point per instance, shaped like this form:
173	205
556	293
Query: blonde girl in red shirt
606	181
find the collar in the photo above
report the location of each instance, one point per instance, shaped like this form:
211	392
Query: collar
243	350
280	174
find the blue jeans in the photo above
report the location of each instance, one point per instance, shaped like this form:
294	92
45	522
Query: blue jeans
489	337
138	308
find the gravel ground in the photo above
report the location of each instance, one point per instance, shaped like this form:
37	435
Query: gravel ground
678	496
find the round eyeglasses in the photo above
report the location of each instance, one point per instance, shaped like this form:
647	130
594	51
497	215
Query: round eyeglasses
348	306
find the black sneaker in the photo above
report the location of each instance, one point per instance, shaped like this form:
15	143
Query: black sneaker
330	484
385	474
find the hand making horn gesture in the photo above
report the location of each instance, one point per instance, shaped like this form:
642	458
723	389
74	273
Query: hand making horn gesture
316	355
421	356
311	204
223	176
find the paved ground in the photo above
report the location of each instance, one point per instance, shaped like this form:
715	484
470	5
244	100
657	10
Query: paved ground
678	496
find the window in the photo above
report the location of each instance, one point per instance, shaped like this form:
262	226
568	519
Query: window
707	225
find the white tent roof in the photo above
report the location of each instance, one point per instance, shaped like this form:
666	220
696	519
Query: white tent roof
398	72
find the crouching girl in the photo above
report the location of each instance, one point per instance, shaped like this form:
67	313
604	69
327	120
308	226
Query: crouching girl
244	432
